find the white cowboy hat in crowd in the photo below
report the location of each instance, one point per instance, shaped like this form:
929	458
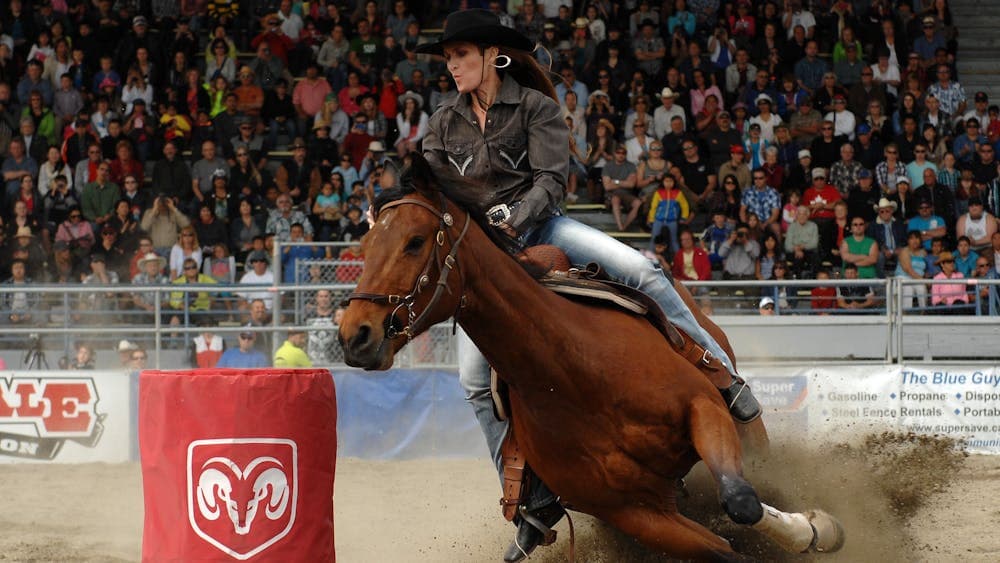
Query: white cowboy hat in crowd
411	95
151	256
886	202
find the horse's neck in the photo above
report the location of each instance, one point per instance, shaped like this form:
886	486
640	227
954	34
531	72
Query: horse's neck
508	314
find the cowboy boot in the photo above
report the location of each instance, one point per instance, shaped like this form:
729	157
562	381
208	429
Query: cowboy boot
534	529
743	406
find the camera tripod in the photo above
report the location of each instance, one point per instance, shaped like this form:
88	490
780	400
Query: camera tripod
35	356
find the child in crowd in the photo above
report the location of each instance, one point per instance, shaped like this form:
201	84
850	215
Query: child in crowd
789	210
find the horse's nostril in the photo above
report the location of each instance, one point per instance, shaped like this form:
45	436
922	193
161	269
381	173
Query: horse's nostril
361	338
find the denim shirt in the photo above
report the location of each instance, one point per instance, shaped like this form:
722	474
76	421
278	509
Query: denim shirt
523	155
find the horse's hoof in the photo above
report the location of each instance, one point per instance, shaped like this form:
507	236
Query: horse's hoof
829	532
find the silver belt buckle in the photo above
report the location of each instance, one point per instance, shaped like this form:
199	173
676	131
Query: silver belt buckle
498	214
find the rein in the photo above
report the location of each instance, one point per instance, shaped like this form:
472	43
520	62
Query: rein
446	221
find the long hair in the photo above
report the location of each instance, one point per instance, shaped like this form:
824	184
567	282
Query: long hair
524	68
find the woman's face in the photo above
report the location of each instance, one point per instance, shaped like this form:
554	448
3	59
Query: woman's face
467	65
122	208
205	214
770	243
53	155
753	221
699	79
245	207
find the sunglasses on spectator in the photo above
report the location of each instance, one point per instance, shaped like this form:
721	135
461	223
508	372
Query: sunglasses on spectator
857	224
190	267
75	216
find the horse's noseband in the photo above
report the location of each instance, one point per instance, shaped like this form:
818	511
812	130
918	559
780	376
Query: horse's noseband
414	321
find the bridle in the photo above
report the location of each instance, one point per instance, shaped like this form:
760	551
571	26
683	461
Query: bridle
445	222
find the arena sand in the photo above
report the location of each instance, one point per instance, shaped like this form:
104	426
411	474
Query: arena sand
901	499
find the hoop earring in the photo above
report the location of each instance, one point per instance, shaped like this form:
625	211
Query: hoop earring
504	65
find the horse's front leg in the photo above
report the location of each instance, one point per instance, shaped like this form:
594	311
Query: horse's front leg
716	441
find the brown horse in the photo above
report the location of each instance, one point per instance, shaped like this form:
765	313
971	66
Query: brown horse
607	413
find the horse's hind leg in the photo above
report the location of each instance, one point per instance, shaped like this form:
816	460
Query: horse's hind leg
717	443
673	534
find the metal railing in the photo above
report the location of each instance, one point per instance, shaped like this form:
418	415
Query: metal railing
895	329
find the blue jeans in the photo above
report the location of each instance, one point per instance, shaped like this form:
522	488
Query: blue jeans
582	245
274	127
474	376
626	265
672	227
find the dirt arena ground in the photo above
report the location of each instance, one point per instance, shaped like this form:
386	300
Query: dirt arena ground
445	510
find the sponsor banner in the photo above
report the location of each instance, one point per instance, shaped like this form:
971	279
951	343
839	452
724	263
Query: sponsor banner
238	465
64	416
840	403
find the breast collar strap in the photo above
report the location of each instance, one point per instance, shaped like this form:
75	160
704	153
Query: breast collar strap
414	321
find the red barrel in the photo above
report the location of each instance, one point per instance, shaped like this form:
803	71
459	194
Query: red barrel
238	464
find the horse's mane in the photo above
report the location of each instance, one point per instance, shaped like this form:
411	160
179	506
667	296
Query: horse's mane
464	193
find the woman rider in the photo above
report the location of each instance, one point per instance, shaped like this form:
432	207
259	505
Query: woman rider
505	132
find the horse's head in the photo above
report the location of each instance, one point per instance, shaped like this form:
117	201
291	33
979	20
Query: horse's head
410	280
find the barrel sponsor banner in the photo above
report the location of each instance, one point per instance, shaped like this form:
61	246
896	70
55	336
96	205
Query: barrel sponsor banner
238	465
847	402
64	416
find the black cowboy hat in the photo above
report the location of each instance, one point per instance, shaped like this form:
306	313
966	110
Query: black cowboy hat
481	27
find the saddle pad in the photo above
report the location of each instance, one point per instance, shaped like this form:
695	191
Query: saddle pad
576	287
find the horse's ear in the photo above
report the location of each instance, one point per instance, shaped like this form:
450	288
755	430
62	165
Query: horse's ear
421	175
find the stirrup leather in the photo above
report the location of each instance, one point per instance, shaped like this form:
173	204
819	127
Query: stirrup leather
516	475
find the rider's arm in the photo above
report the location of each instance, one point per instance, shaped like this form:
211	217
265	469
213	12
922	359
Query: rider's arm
547	133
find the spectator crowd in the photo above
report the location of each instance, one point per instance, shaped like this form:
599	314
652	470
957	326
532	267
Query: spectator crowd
147	143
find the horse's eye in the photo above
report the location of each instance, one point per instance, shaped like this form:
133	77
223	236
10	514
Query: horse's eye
414	245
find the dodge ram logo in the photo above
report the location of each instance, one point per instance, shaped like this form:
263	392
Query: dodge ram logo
242	492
